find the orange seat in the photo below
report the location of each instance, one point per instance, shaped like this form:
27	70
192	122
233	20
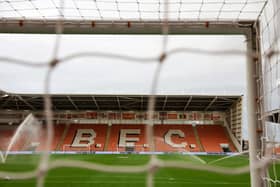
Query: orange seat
211	136
5	137
58	130
100	130
161	145
115	135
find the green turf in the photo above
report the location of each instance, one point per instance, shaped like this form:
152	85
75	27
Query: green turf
69	177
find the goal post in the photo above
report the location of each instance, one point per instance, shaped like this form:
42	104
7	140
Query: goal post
254	146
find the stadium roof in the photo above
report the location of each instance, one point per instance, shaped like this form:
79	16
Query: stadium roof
118	102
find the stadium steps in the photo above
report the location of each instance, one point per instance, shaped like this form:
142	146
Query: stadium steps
108	134
231	141
201	148
61	141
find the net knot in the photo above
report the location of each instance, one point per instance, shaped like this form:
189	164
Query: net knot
42	171
54	62
153	167
162	57
270	54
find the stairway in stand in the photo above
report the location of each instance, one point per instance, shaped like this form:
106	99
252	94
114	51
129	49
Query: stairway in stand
107	137
198	140
61	141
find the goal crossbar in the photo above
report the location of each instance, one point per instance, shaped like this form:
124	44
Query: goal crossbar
35	26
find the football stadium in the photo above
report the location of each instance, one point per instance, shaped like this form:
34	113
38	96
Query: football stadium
69	116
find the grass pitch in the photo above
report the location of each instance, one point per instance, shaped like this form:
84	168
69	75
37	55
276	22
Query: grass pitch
75	177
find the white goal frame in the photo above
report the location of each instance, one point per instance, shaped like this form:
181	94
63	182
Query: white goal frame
249	28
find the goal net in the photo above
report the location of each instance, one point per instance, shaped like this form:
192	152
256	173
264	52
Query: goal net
257	20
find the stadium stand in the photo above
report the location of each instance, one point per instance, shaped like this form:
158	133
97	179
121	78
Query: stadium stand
127	136
5	136
124	130
25	141
187	143
79	136
276	149
214	137
58	131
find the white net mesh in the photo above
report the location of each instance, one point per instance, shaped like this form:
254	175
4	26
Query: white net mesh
267	12
269	35
133	10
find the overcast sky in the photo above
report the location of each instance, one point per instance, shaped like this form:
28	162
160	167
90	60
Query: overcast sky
181	74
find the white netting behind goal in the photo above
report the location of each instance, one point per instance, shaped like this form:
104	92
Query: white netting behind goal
163	11
269	33
270	83
132	9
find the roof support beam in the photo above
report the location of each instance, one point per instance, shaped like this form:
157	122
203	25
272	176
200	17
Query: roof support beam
211	103
53	105
142	103
129	104
7	101
95	102
188	103
164	104
130	98
27	103
119	103
32	97
72	102
227	99
16	101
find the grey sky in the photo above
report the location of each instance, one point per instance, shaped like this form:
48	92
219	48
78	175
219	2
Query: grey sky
181	74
